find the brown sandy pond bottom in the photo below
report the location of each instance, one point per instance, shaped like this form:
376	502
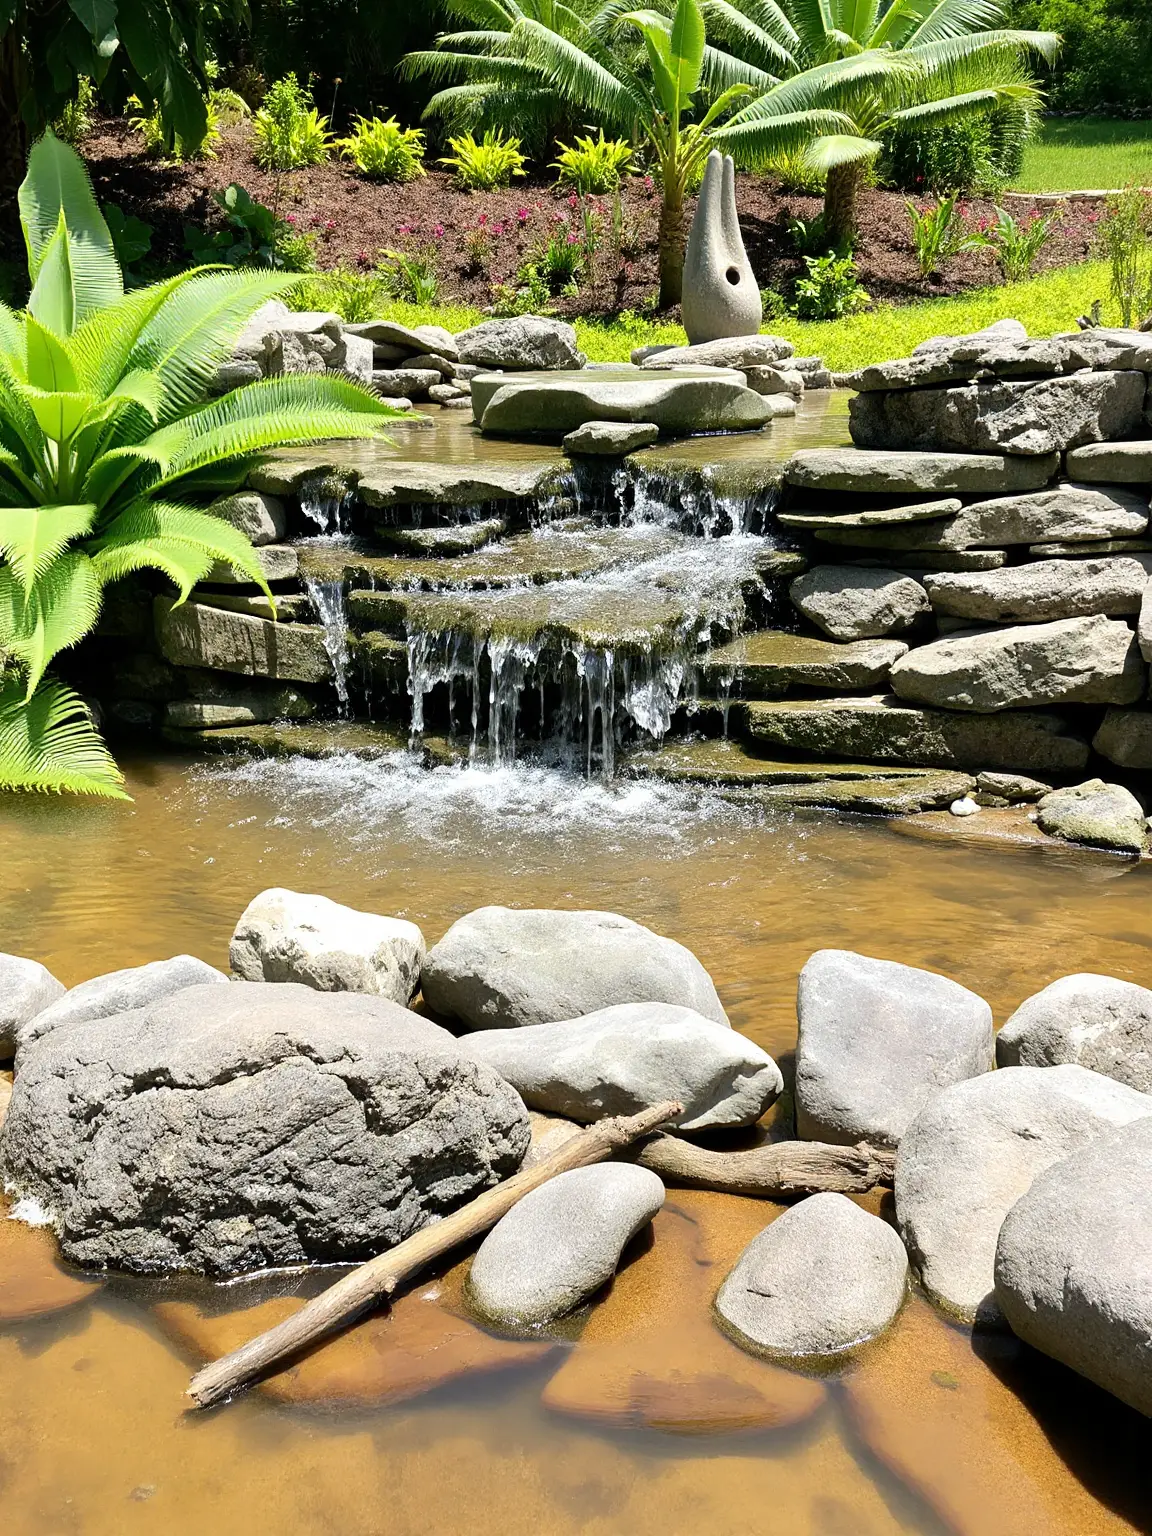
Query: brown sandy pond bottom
640	1417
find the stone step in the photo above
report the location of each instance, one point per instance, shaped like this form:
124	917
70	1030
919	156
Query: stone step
318	739
196	635
765	663
868	469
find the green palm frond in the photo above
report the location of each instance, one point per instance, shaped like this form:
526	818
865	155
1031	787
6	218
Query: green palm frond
759	34
176	539
48	743
59	611
32	537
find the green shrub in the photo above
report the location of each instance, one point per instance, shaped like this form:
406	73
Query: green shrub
381	149
592	165
939	233
831	289
413	276
485	164
1016	243
1106	55
288	131
253	236
131	237
795	173
560	261
972	154
75	122
224	109
1126	237
354	296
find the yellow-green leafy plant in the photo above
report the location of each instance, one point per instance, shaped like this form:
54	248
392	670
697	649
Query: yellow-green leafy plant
288	131
381	149
107	447
592	165
482	165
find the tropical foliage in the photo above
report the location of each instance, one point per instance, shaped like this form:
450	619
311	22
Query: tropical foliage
481	165
106	446
382	149
592	165
288	131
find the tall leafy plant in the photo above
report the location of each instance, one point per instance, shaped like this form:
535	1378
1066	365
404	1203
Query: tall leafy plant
107	443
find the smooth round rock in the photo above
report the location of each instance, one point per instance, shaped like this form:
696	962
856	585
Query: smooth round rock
823	1277
855	603
120	992
26	989
1098	1022
561	1243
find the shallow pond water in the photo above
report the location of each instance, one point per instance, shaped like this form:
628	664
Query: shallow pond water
649	1421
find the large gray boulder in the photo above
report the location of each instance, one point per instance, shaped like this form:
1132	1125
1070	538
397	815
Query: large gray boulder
998	352
26	989
728	352
974	1149
230	1128
1099	1022
721	296
499	968
863	469
852	603
1040	592
120	992
398	342
523	342
820	1279
620	1060
1030	419
561	1243
1091	660
261	517
877	1040
289	936
1098	814
677	401
1074	1264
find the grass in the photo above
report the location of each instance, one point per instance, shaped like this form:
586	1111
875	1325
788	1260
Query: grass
1074	153
1044	304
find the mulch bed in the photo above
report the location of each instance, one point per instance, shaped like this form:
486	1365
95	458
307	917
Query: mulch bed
354	219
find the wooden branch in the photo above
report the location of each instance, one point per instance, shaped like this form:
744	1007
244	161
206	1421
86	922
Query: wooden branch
777	1168
350	1297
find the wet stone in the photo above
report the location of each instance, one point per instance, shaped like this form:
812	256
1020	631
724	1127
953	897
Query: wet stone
1098	814
243	707
194	635
26	989
729	763
678	402
862	469
766	662
441	540
1098	1022
611	439
319	739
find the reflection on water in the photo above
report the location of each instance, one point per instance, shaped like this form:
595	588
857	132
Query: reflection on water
926	1434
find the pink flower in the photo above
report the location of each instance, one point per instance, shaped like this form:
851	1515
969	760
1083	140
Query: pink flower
289	218
523	214
573	201
573	239
482	220
648	183
438	232
329	226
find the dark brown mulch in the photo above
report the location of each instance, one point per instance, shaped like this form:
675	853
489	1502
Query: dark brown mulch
354	219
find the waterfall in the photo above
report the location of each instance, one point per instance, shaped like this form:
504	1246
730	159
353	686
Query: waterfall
327	598
326	501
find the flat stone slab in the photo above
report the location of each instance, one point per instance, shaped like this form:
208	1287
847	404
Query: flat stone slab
771	660
725	352
855	603
1041	592
1002	357
678	403
1098	1022
414	340
194	635
1128	463
609	439
407	482
244	706
862	469
441	539
883	729
908	795
277	562
318	739
882	517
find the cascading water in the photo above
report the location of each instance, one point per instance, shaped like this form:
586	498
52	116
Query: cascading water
326	500
327	599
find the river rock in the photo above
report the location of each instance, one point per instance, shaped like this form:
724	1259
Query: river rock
677	401
726	352
610	439
1127	463
1016	788
404	341
120	992
521	342
1074	1263
766	380
861	469
1032	419
26	989
261	517
236	1127
404	383
877	1040
853	603
1099	1022
288	936
1091	660
1099	814
721	296
622	1059
974	1149
1040	592
881	729
820	1279
498	968
197	635
561	1243
1125	738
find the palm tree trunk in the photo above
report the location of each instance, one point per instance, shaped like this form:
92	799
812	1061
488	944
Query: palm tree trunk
671	248
840	192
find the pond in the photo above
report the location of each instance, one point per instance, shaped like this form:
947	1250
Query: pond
643	1418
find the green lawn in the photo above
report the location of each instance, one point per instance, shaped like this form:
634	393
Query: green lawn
1045	304
1087	152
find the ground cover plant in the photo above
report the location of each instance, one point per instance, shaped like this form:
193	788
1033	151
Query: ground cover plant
1071	153
108	448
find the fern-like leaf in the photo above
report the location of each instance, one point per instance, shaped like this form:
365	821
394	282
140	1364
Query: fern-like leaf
49	743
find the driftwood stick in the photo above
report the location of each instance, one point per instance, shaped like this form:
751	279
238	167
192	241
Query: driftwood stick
778	1168
350	1297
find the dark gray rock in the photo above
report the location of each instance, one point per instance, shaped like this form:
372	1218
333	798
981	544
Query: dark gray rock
853	603
1097	1022
619	1060
1099	814
407	383
1074	1264
522	342
243	706
120	992
877	1040
1085	661
974	1149
1125	738
498	968
822	1278
238	1127
1040	592
1016	788
561	1243
26	989
861	469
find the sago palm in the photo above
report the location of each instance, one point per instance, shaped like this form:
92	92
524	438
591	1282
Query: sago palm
106	444
910	63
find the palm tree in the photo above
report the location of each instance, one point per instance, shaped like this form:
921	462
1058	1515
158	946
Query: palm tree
526	57
106	444
908	64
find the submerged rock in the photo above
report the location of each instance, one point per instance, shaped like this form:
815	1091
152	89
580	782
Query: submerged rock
498	968
620	1060
120	992
26	989
972	1152
1098	1022
237	1127
1099	814
877	1040
33	1282
561	1242
610	439
822	1278
1074	1263
288	936
852	603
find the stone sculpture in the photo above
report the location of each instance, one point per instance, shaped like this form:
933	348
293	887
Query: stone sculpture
721	297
